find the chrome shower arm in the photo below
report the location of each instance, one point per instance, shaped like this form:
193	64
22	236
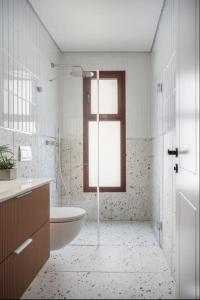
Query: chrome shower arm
60	75
84	74
65	66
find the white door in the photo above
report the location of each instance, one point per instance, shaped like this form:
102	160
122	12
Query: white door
187	123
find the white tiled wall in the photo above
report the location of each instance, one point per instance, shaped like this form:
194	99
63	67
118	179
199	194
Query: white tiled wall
162	53
26	51
163	70
27	117
137	68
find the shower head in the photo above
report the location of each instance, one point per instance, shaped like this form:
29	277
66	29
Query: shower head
81	73
77	71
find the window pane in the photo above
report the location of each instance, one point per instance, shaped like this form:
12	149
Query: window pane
109	154
108	100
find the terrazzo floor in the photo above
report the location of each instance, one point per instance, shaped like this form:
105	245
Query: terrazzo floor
128	264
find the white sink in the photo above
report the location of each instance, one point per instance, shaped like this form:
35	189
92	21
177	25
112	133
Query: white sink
12	188
9	185
18	184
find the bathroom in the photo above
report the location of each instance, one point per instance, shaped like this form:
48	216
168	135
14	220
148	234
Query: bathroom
105	183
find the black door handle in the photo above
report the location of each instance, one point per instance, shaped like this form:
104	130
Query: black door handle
173	152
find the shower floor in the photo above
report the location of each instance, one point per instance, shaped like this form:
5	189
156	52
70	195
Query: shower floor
128	264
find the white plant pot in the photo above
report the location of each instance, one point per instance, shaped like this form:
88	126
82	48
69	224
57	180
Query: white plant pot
8	174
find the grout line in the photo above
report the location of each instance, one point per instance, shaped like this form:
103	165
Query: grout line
158	25
104	52
43	25
108	272
115	245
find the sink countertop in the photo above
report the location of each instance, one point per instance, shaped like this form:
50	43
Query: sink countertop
12	188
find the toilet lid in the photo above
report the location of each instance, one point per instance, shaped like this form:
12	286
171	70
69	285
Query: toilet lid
66	214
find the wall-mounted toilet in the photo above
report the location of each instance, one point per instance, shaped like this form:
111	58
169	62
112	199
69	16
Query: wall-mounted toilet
65	225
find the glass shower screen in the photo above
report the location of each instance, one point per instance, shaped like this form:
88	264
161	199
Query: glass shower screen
93	149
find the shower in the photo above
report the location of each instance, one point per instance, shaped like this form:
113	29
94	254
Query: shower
69	173
76	71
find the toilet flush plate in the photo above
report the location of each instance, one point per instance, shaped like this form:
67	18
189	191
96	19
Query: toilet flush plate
25	153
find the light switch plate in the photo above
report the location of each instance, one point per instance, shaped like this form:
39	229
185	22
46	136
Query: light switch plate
25	153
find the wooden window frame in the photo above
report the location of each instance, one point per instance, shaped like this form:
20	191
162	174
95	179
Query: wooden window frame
120	116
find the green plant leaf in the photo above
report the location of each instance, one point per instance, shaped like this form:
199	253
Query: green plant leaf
6	157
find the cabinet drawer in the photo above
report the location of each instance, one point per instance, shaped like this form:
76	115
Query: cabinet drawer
20	217
18	270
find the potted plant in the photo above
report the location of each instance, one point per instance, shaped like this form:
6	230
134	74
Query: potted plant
7	163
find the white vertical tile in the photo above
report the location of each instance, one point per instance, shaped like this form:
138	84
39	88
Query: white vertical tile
163	117
1	107
5	108
21	58
1	24
20	38
1	67
5	26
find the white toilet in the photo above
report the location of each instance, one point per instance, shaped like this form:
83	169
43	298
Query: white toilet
65	225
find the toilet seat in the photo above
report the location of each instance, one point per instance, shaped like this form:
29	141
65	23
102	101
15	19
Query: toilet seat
66	214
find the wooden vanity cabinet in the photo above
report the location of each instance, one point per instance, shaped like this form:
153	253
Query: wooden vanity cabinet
24	240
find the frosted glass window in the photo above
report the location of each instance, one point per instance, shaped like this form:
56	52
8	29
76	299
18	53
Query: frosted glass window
108	161
109	154
108	96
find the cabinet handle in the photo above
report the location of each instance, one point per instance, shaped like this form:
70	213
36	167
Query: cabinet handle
24	194
23	246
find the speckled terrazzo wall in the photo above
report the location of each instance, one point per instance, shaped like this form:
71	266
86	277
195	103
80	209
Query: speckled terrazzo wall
43	162
134	204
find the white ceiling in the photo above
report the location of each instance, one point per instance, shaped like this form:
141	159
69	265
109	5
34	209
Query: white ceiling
100	25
